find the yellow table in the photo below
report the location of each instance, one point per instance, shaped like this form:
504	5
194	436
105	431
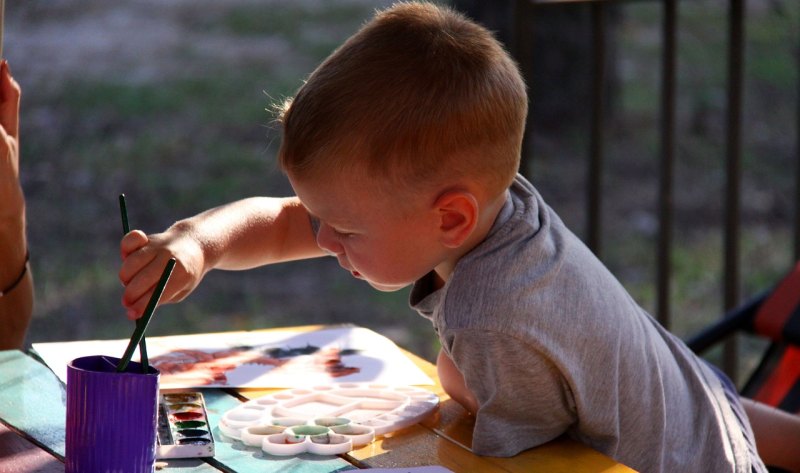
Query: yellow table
446	439
32	434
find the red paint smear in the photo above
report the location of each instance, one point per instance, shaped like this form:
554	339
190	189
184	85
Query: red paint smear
187	415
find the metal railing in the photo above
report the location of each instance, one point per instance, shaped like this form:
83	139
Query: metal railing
524	15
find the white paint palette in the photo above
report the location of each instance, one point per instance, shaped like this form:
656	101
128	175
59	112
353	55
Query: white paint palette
326	420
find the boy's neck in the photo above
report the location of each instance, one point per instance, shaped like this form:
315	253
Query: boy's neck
488	215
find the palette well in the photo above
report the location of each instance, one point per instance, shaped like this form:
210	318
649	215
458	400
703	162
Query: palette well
183	428
326	420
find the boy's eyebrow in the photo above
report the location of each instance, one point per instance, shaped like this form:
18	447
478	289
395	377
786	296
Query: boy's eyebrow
331	222
316	217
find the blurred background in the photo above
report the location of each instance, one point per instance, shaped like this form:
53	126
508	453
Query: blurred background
168	102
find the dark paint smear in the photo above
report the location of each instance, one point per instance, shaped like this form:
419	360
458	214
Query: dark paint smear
194	441
193	432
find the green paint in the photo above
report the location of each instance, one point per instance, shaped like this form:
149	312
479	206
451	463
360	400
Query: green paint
189	424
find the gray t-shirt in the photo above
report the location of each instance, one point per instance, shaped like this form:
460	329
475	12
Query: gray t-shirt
550	343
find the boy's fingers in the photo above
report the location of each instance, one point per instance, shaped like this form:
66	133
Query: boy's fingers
131	242
137	309
134	311
134	264
181	295
135	298
139	291
142	281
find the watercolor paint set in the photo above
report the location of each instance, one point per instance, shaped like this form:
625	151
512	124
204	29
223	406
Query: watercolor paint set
183	428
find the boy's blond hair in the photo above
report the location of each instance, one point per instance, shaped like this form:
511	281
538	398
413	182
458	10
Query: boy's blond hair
419	95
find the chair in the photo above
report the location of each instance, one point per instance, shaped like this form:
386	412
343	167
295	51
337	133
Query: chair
774	315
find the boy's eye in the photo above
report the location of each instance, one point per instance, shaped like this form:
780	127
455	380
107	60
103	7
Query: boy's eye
342	233
338	232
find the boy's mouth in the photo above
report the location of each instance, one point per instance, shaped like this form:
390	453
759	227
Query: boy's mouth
356	274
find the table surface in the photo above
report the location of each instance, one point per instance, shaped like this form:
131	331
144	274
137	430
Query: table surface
32	435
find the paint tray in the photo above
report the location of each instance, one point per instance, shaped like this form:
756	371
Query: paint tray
326	420
183	428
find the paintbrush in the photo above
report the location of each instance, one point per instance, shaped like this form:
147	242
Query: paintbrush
141	325
2	23
123	210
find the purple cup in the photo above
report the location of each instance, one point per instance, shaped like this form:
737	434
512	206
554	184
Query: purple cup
111	417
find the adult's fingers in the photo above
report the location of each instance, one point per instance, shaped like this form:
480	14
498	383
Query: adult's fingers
9	101
8	153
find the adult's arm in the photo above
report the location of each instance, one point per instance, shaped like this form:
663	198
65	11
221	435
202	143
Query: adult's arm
16	282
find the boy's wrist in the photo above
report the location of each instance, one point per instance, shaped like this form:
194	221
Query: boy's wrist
188	230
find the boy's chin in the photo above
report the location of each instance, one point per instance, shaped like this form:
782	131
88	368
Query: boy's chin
386	287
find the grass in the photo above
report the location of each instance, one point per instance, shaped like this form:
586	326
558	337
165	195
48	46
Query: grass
189	140
176	147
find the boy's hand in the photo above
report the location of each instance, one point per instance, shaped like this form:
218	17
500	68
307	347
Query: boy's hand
143	261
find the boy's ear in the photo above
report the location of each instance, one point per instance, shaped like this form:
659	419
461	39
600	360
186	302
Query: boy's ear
458	217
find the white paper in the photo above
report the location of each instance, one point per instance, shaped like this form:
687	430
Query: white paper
266	359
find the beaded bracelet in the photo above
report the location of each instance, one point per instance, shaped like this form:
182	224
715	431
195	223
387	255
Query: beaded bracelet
19	278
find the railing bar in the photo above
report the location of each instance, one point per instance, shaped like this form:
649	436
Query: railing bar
563	2
522	48
667	159
797	165
733	172
594	177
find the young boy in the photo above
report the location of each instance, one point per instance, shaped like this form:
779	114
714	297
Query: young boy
403	148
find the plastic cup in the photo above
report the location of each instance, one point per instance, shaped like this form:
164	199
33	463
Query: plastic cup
111	416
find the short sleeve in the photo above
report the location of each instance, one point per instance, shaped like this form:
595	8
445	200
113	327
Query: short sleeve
524	401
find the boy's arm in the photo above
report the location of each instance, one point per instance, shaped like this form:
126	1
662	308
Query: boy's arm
453	383
777	434
252	232
239	235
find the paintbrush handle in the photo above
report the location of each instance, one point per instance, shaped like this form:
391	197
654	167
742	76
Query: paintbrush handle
123	211
2	24
138	333
143	359
126	228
